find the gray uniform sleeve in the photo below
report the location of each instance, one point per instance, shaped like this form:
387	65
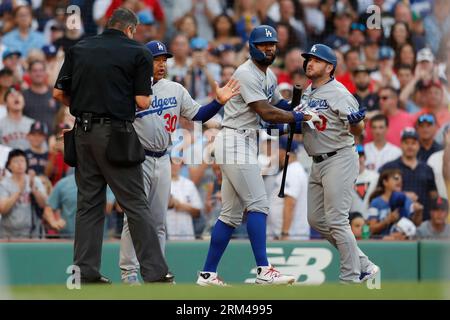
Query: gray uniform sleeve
251	88
189	107
344	105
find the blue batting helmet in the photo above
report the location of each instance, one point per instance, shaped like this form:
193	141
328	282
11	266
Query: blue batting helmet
157	48
261	34
322	52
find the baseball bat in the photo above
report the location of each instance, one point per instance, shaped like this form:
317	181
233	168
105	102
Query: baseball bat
296	97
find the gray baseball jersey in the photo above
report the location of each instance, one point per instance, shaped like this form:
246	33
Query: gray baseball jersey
154	128
155	125
254	86
333	102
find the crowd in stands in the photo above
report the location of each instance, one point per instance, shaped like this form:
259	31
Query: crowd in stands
395	60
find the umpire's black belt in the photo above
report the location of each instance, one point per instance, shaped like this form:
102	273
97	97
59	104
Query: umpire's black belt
155	154
322	157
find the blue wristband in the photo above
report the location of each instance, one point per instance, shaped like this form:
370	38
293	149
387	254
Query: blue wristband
284	105
206	112
298	116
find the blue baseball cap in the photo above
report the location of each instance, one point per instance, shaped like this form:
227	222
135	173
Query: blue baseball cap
146	17
283	144
157	48
199	44
49	50
386	53
409	132
8	53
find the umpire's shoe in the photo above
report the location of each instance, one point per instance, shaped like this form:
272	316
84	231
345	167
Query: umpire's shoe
168	278
269	275
99	280
209	279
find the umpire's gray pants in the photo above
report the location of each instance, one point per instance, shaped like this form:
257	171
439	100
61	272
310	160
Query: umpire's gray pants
330	189
157	179
92	173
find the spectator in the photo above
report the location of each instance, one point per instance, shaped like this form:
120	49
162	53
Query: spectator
386	76
397	119
184	204
23	38
435	102
342	22
178	66
364	96
364	186
53	61
437	24
56	167
226	74
384	209
292	62
225	32
39	103
418	177
201	74
70	38
405	56
6	81
379	151
245	17
352	61
405	75
357	222
15	126
371	49
288	16
11	61
437	227
203	12
61	206
400	35
37	154
19	193
287	40
426	129
287	219
446	163
436	162
188	26
226	55
145	30
356	38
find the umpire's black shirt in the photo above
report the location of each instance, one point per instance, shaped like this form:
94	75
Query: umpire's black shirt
107	71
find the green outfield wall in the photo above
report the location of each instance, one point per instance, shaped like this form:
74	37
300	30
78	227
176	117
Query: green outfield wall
312	262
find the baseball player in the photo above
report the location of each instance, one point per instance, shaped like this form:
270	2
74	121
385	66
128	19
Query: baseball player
335	161
235	150
154	127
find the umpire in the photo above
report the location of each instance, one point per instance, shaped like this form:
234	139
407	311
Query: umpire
103	79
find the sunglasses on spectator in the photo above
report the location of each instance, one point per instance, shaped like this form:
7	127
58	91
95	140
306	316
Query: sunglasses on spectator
358	26
426	118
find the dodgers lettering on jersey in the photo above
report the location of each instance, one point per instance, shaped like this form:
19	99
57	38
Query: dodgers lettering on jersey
155	125
255	85
333	102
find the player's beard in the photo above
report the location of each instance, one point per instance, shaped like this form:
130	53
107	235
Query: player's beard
362	86
267	61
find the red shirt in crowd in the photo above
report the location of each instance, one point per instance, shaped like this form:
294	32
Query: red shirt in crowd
397	123
153	5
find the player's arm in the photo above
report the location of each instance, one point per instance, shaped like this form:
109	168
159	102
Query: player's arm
272	114
357	129
223	94
61	97
63	84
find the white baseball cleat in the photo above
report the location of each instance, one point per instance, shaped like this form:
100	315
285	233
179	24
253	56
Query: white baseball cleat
370	273
210	279
270	275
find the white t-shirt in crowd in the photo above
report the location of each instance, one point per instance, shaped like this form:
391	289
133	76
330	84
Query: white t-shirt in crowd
435	161
179	223
296	187
376	158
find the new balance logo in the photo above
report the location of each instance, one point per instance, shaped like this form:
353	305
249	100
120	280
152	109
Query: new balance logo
160	47
268	33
